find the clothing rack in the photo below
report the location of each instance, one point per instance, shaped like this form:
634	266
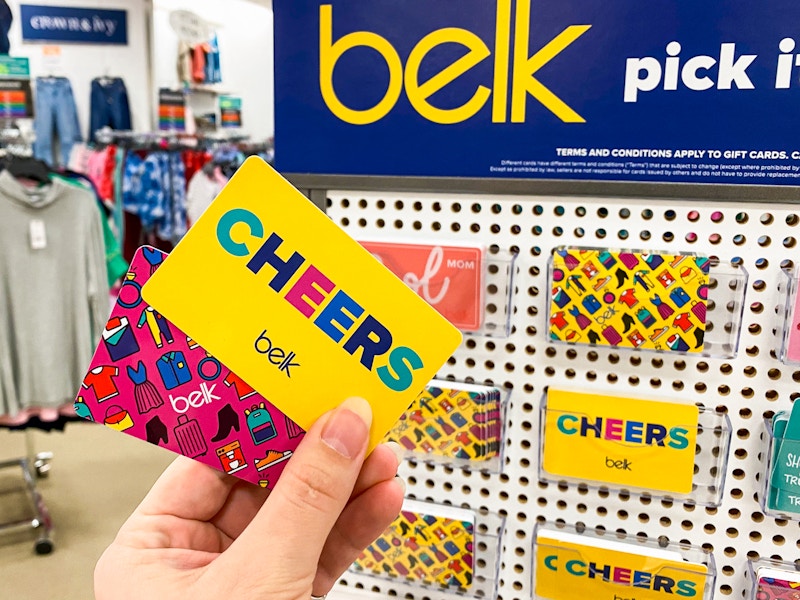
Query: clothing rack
169	140
33	465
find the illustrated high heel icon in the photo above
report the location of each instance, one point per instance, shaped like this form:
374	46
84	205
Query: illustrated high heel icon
628	321
227	419
622	277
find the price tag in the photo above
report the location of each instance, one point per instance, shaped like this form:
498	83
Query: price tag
38	234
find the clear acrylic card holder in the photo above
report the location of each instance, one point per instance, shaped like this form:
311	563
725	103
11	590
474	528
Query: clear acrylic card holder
645	447
787	318
576	562
459	425
436	550
772	579
645	300
779	490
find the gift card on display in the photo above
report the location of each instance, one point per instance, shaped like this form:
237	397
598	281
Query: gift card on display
580	566
150	380
629	299
784	479
793	333
426	544
272	287
449	278
625	441
777	584
452	419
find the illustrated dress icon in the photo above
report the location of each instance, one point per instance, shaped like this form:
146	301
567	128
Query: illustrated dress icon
145	393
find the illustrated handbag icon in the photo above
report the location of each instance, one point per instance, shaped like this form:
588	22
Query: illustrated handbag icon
119	339
118	418
190	438
260	424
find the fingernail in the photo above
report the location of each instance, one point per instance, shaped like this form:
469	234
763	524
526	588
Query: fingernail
397	450
347	428
401	482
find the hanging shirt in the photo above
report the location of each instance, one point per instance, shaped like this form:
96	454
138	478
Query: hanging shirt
201	192
53	292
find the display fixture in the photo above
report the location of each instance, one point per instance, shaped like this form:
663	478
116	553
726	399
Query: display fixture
438	549
469	285
645	300
670	450
787	326
455	424
772	579
576	562
780	477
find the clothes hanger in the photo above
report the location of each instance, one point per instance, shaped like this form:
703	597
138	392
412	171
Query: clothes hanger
27	167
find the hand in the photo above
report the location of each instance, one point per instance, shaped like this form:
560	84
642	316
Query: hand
202	534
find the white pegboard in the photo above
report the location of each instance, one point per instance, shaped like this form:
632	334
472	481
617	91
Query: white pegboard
752	384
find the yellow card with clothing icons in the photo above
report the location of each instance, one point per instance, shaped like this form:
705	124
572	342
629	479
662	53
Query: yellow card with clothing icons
287	300
627	299
431	545
624	441
568	567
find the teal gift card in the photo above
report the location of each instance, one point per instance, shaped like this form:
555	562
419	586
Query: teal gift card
784	482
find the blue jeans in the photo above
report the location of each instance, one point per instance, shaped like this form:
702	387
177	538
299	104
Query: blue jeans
109	105
54	110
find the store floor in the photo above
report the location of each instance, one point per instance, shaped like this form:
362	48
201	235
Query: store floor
97	478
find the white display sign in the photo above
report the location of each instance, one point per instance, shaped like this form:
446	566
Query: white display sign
190	27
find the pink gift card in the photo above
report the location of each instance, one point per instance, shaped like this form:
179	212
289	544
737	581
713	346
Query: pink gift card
449	278
793	336
150	380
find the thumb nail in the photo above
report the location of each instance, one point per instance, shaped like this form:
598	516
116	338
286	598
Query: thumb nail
347	428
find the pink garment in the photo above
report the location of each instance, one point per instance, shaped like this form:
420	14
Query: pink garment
79	158
44	414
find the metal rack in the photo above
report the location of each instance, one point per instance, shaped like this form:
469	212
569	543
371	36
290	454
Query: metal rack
34	465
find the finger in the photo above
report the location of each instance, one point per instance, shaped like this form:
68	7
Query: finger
380	465
360	524
243	503
187	489
305	504
176	511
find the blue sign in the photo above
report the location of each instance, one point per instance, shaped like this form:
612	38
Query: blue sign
76	25
704	92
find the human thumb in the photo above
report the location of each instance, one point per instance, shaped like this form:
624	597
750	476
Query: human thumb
282	545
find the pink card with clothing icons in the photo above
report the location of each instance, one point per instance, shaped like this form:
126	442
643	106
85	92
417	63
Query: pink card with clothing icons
150	380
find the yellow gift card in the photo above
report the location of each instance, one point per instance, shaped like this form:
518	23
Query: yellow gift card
629	299
624	441
284	298
566	569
